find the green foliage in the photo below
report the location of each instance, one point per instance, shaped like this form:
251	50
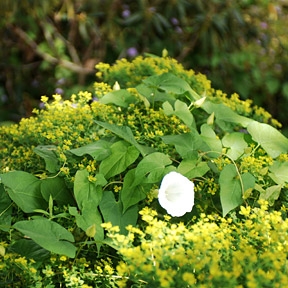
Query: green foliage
49	235
78	164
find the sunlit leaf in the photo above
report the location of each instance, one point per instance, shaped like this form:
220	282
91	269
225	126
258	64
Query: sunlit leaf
235	143
153	167
85	190
271	140
120	98
88	196
180	110
231	190
5	209
125	133
170	83
133	190
271	194
192	168
122	155
99	150
188	144
224	113
211	139
24	189
279	172
48	153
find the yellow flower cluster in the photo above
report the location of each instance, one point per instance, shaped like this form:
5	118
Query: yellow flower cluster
213	252
58	270
130	74
69	124
101	89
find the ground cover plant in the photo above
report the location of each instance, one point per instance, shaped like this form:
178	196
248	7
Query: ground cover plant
80	179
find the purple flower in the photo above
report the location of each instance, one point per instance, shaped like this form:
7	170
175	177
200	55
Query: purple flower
61	81
132	52
263	25
126	13
174	21
41	105
59	91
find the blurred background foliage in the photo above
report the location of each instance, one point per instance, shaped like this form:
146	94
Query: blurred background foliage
52	46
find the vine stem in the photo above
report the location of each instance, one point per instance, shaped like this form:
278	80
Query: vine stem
234	163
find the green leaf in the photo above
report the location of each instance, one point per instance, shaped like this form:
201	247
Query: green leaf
112	211
236	144
152	95
211	139
87	217
271	194
181	111
31	250
5	209
187	145
132	191
279	172
230	189
24	189
98	150
56	187
119	97
48	234
271	140
48	153
248	181
192	168
125	133
86	191
224	113
171	84
122	155
153	167
88	196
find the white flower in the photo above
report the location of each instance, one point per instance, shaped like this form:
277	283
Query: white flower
116	86
176	194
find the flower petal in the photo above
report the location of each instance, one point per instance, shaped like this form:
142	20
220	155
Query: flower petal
176	194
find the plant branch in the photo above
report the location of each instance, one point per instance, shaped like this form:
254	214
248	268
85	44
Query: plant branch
49	58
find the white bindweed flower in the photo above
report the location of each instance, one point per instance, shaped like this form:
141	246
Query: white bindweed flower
116	86
176	194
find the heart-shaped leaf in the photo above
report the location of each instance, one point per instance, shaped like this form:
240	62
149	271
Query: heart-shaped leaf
49	235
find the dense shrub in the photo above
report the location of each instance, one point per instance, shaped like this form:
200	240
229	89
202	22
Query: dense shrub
80	163
210	253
